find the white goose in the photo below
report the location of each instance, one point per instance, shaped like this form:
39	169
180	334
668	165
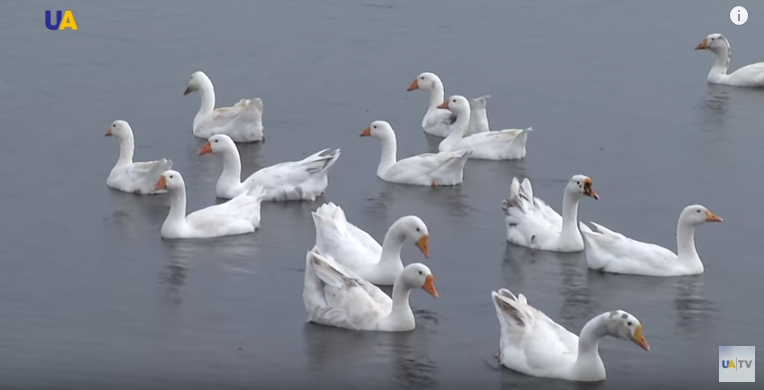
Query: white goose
357	250
428	169
748	76
533	224
608	251
533	344
506	144
243	121
128	176
292	180
237	216
336	296
438	121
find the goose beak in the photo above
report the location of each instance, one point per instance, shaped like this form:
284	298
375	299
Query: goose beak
108	133
429	286
711	217
639	339
189	90
702	45
161	184
366	132
424	245
413	86
589	191
444	105
207	148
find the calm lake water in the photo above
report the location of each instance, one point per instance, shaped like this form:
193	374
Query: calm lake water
91	297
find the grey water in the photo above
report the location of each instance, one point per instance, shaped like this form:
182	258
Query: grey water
92	297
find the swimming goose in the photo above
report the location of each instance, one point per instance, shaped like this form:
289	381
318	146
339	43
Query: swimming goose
129	176
748	76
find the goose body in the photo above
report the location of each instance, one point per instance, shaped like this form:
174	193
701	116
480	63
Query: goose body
243	121
533	344
508	144
609	251
239	215
531	223
429	169
748	76
358	251
335	296
438	121
305	179
128	176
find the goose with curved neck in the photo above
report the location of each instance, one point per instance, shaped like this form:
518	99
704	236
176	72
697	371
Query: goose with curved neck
609	251
437	121
129	176
239	215
441	169
508	144
533	344
336	296
358	251
243	121
305	179
533	224
748	76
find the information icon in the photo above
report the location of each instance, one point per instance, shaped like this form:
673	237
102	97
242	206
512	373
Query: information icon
739	15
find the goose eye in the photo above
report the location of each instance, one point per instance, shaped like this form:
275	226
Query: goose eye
216	141
114	125
698	210
375	127
629	323
420	272
578	182
417	229
421	78
454	101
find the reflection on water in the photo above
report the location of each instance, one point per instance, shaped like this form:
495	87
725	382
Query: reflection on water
693	311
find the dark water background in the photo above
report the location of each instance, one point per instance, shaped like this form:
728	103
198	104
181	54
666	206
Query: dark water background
91	297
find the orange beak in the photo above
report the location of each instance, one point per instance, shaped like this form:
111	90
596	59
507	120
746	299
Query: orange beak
108	133
188	90
444	105
207	148
366	132
161	184
424	245
702	45
639	339
429	286
588	190
413	86
711	217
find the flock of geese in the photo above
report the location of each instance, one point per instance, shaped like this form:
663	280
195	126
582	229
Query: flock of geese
346	264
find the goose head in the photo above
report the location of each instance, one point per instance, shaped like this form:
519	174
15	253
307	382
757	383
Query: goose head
218	143
119	129
714	42
413	228
625	326
698	215
457	104
380	130
418	275
580	186
198	81
426	81
171	181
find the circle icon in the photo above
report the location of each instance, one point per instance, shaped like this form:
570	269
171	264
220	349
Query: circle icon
739	15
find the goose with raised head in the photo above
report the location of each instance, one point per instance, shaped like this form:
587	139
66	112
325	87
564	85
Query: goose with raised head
609	251
438	121
243	121
508	144
428	169
533	344
336	296
533	224
239	215
128	176
748	76
357	250
305	179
